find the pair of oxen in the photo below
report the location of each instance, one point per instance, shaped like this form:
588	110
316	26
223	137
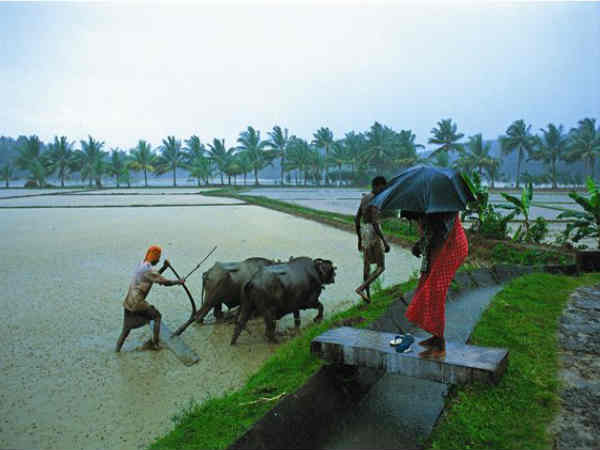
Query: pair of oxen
264	287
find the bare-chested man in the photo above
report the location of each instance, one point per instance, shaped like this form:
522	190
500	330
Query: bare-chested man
137	312
370	238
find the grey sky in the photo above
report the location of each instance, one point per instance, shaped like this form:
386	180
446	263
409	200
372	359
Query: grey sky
128	72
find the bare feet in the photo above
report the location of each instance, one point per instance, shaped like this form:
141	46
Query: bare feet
427	342
437	347
150	345
360	292
432	353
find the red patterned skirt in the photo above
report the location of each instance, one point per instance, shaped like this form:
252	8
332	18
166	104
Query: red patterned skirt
428	306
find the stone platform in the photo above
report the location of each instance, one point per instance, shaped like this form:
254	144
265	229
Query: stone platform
367	348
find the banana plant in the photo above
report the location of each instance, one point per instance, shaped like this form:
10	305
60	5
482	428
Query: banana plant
520	206
488	222
481	194
587	222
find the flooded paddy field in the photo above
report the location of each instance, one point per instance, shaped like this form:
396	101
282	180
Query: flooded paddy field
106	199
66	272
346	200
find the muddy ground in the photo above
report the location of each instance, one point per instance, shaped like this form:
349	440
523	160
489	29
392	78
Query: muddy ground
66	272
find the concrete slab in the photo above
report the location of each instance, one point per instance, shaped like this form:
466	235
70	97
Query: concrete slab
176	344
368	348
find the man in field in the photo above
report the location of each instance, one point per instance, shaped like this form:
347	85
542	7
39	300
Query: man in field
138	312
370	238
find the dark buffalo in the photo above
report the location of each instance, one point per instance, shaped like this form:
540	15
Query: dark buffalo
222	283
286	288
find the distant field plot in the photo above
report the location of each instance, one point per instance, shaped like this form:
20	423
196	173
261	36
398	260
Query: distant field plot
346	201
109	198
29	192
66	273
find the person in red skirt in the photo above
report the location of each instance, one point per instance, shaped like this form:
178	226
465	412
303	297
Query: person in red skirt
444	247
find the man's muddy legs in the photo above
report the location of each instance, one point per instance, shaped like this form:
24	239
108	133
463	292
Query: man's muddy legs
122	338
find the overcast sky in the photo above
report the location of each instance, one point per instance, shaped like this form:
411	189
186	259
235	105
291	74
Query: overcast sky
128	72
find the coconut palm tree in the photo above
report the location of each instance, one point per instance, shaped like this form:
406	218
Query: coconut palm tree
232	169
193	149
405	150
493	170
338	157
356	145
118	162
29	151
219	155
297	157
323	138
381	146
62	158
551	147
585	143
447	137
477	155
279	140
244	163
143	158
38	173
200	168
518	137
171	157
7	173
33	159
250	142
91	160
316	164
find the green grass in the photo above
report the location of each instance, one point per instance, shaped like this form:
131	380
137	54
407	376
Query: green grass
523	317
219	422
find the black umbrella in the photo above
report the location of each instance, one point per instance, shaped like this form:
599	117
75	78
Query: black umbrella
425	189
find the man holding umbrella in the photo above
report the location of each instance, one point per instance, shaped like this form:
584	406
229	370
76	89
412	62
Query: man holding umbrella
370	239
432	197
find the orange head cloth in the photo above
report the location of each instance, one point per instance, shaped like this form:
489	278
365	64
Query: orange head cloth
153	254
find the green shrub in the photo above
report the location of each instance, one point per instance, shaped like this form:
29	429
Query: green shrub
526	257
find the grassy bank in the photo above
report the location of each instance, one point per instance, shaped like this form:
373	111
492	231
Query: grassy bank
516	413
219	422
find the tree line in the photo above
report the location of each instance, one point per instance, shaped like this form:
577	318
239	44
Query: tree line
353	158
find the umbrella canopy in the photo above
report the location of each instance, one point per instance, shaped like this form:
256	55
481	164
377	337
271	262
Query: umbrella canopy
425	189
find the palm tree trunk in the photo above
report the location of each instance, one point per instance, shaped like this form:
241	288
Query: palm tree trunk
519	157
174	176
145	177
256	176
339	175
554	174
222	182
282	162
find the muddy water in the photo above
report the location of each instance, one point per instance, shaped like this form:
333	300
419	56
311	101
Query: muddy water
65	273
